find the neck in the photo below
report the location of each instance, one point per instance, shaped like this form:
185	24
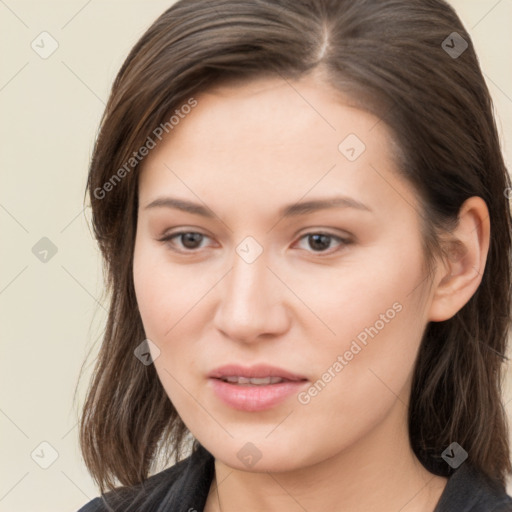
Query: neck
378	472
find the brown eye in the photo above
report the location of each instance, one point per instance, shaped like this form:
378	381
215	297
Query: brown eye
321	242
188	240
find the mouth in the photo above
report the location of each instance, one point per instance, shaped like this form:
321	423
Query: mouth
255	388
257	374
253	381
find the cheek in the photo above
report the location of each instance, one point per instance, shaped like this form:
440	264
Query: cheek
162	306
360	383
156	298
170	298
370	300
379	322
144	283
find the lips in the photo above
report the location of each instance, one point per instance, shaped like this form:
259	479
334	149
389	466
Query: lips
254	388
253	381
261	371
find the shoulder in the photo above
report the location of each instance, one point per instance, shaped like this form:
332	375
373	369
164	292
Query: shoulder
469	490
183	486
94	505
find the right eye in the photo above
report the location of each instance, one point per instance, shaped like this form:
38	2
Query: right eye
188	240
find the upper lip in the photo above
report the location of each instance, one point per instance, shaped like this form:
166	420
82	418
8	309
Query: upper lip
255	371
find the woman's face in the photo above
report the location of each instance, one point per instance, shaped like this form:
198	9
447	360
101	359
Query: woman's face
333	295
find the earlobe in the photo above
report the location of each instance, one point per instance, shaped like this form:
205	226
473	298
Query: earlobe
459	275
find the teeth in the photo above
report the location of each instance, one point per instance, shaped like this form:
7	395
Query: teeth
254	381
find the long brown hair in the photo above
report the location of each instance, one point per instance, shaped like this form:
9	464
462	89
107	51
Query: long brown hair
390	58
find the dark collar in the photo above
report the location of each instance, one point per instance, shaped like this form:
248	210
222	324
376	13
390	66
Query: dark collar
189	491
469	490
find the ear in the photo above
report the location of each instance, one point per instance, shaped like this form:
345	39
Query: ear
460	273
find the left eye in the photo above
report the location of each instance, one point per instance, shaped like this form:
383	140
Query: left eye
321	241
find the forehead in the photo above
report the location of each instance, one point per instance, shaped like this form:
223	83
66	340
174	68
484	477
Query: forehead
275	139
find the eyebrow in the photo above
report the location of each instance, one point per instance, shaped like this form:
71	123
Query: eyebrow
295	209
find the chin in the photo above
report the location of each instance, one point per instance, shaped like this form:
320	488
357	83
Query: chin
262	456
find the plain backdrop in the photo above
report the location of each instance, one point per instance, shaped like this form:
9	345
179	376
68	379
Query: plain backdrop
51	302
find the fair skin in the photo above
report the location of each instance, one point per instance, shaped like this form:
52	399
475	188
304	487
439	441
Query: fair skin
244	152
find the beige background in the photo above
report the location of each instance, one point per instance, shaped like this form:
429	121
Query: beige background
52	312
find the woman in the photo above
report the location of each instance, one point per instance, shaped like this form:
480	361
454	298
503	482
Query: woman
302	208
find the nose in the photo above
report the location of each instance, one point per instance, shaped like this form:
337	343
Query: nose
252	305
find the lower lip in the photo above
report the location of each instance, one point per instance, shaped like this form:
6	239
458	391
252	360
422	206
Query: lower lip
255	398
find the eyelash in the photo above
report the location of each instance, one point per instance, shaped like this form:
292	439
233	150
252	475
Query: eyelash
168	238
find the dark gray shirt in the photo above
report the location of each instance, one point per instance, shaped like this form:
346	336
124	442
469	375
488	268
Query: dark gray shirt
184	487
